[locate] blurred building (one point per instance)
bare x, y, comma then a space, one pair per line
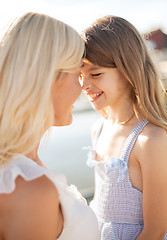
157, 44
159, 39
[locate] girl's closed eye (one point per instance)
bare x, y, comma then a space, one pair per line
96, 74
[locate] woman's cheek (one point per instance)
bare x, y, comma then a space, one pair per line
78, 88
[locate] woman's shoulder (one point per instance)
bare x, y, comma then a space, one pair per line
31, 203
36, 187
30, 193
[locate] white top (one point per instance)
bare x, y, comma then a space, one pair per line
80, 222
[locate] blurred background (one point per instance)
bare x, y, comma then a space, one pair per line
61, 150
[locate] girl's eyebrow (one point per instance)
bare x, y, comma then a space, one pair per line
93, 68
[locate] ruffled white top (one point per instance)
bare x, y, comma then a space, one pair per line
80, 222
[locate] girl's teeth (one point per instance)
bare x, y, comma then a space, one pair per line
95, 95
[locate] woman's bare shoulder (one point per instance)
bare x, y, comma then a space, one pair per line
35, 188
33, 203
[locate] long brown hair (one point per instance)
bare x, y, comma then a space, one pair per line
114, 42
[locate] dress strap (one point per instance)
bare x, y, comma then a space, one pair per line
130, 141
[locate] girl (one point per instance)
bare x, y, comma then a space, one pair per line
130, 142
40, 63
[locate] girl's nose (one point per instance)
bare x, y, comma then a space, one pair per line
84, 82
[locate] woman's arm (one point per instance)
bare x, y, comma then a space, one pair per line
152, 157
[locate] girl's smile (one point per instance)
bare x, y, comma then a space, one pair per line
103, 86
94, 96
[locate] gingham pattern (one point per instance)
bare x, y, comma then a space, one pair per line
115, 162
118, 205
122, 162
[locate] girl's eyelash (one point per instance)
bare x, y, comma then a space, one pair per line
96, 74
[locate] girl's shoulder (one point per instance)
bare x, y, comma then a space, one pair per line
151, 142
152, 134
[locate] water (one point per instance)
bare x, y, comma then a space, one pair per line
62, 152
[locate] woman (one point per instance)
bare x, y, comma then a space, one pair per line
40, 62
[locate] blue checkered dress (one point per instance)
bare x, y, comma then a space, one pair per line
118, 205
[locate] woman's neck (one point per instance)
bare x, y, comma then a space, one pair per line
34, 156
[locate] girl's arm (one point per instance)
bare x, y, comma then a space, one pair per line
152, 157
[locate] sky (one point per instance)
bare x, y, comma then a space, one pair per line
145, 15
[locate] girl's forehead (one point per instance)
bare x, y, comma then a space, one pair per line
88, 66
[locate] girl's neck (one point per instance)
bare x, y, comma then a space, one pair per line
127, 120
121, 115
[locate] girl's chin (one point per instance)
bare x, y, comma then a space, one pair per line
96, 108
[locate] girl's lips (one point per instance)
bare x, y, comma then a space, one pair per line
94, 96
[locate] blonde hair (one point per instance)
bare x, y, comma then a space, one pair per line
114, 42
33, 53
